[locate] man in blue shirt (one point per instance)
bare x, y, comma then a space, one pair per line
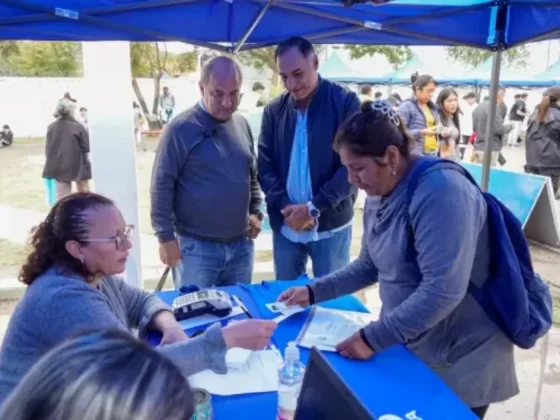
310, 202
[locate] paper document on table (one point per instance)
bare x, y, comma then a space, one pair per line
237, 357
325, 328
208, 319
258, 374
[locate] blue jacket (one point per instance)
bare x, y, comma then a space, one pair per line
414, 119
333, 195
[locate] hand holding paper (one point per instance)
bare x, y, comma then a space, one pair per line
296, 296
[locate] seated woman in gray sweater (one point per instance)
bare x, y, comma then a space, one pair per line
77, 252
423, 254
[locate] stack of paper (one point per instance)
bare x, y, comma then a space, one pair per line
325, 328
259, 373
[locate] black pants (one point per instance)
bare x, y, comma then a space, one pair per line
480, 411
553, 174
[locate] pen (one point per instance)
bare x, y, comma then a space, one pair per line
242, 306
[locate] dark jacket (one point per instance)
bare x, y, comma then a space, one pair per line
542, 145
66, 151
7, 138
480, 119
333, 195
415, 120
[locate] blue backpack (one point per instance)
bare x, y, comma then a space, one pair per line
514, 296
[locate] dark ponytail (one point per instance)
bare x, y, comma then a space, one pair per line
419, 82
66, 221
371, 131
551, 96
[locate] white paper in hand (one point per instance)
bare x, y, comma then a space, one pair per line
281, 307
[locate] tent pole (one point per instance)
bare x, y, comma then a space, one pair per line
489, 133
252, 27
111, 130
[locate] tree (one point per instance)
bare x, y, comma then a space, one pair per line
8, 49
261, 58
395, 55
150, 59
47, 59
474, 56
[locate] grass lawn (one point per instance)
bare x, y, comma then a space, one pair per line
21, 185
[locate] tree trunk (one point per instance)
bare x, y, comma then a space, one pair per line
157, 88
139, 96
275, 81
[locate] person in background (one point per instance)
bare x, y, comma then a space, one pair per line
254, 99
205, 193
395, 101
139, 126
517, 115
167, 104
365, 93
101, 375
83, 117
67, 97
420, 116
466, 120
449, 135
542, 144
425, 302
6, 136
499, 129
378, 96
73, 285
309, 199
67, 152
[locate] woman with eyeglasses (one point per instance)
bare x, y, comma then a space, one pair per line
106, 375
71, 274
423, 253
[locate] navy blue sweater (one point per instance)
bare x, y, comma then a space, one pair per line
333, 195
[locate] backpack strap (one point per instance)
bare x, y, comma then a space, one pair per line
426, 163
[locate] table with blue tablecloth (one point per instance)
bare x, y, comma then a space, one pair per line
394, 381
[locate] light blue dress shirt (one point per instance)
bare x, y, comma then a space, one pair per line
299, 187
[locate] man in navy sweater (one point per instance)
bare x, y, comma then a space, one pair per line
309, 199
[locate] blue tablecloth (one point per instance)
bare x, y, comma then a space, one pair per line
392, 382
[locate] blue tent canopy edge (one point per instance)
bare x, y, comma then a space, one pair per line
245, 24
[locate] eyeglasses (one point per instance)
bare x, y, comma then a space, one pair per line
386, 109
118, 239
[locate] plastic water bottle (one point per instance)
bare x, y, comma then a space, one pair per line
290, 378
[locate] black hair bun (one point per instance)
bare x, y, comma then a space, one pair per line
414, 77
366, 106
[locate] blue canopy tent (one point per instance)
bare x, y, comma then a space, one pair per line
481, 76
550, 75
335, 69
243, 24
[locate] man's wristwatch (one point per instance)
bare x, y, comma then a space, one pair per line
313, 211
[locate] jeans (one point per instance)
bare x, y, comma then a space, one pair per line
208, 263
515, 132
327, 255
